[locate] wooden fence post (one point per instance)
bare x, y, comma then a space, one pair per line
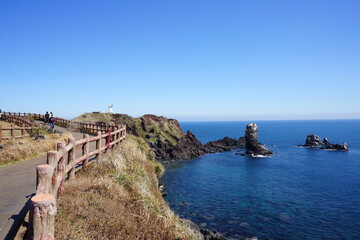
23, 131
52, 157
44, 174
71, 158
42, 217
86, 151
0, 133
119, 134
12, 131
60, 168
98, 146
108, 140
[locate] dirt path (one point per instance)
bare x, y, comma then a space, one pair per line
17, 186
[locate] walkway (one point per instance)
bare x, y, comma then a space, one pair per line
17, 186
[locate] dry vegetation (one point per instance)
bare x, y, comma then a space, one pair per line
27, 148
118, 198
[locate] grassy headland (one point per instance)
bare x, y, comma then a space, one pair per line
119, 198
149, 127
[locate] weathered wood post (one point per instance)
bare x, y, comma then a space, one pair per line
12, 132
42, 217
71, 158
0, 133
23, 131
60, 168
108, 137
44, 174
52, 157
98, 146
86, 151
119, 136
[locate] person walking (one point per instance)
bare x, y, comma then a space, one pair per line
52, 121
46, 119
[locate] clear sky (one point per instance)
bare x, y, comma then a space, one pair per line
192, 60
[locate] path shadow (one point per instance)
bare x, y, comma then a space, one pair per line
19, 219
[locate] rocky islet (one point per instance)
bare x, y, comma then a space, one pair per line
314, 141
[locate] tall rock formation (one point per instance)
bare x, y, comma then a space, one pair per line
253, 147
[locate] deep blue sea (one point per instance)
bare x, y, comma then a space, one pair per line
297, 193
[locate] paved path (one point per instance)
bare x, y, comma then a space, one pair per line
17, 186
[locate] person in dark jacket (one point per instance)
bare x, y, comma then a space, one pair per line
46, 119
52, 121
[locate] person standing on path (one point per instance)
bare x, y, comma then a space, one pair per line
52, 121
47, 115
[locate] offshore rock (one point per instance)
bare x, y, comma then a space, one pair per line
326, 141
337, 147
253, 147
313, 140
225, 144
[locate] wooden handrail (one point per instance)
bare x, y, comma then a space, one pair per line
86, 127
23, 132
61, 167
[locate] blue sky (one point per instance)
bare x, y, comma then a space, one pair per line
192, 60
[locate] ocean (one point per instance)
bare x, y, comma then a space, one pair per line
297, 193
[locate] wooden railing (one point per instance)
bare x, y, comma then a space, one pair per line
41, 117
23, 132
24, 126
93, 128
19, 114
61, 165
20, 121
86, 127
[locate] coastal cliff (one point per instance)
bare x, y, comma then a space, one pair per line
119, 197
126, 185
165, 136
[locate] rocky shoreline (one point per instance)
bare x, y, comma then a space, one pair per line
207, 234
190, 147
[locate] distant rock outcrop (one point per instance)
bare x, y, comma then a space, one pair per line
253, 147
167, 140
337, 147
326, 141
188, 147
314, 141
225, 144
